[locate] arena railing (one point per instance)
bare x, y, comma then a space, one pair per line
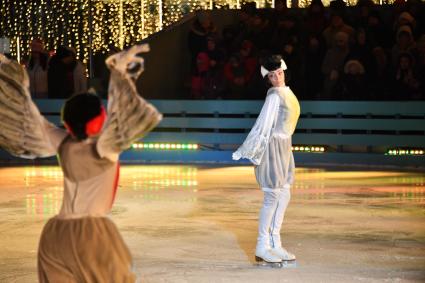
328, 132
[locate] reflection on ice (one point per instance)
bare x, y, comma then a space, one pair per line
323, 184
183, 183
48, 172
149, 180
153, 181
199, 223
44, 204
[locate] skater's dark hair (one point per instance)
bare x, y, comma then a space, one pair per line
78, 111
272, 63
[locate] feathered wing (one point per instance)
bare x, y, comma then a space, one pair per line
256, 142
130, 117
23, 130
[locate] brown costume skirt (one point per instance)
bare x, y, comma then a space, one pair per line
88, 249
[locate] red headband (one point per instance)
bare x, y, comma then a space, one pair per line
94, 126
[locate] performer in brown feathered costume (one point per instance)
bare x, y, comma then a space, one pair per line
80, 244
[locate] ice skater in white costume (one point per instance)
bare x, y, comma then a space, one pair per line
268, 146
81, 243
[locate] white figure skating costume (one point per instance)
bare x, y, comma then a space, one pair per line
268, 146
80, 244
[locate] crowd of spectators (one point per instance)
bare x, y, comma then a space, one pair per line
365, 52
57, 74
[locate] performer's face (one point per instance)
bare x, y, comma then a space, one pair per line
277, 78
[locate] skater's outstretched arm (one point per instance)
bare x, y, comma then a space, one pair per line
256, 142
24, 132
129, 116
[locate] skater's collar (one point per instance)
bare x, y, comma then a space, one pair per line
264, 71
279, 90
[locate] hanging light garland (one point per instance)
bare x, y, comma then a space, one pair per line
117, 22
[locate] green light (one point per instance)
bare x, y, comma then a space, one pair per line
308, 148
409, 151
162, 146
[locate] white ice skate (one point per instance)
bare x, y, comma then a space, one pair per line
265, 258
283, 254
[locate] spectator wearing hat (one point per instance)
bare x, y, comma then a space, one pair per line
352, 83
405, 19
404, 43
37, 69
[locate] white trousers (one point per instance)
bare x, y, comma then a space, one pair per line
271, 217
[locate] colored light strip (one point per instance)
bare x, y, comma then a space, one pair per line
165, 146
308, 148
405, 151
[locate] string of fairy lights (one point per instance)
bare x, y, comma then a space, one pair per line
116, 22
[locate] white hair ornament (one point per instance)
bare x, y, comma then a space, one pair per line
264, 71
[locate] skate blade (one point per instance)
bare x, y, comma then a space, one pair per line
284, 264
289, 263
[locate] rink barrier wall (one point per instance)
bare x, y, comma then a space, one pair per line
353, 132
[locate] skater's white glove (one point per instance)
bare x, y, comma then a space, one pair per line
236, 155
